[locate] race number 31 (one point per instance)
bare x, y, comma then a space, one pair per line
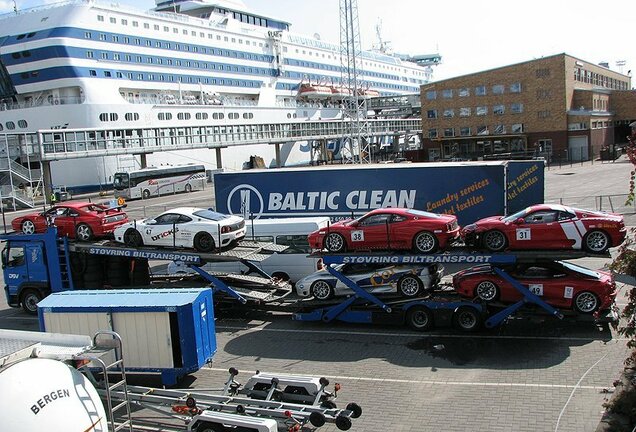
523, 234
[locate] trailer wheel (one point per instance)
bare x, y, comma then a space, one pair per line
30, 298
83, 232
317, 419
586, 302
494, 241
356, 410
409, 286
321, 290
419, 318
343, 423
425, 242
467, 319
487, 291
28, 227
335, 242
203, 242
145, 194
208, 427
132, 238
596, 241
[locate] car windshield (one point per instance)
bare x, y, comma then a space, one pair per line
211, 215
423, 213
582, 270
515, 216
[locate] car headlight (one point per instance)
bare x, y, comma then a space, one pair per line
300, 285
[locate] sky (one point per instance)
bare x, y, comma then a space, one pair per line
471, 35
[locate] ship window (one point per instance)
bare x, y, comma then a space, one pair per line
104, 56
92, 72
202, 116
87, 35
137, 41
22, 124
115, 38
193, 33
120, 75
183, 116
124, 22
114, 117
166, 28
185, 32
15, 55
147, 26
10, 125
156, 27
135, 24
126, 40
113, 20
175, 30
100, 18
107, 74
1, 127
149, 43
30, 35
102, 37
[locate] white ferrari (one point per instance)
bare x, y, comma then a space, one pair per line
190, 227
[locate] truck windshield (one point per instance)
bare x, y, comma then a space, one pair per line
120, 181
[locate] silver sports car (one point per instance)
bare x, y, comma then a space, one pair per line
408, 281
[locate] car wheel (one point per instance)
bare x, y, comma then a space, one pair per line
30, 298
487, 291
209, 427
494, 241
203, 242
409, 286
467, 319
586, 302
321, 290
334, 242
28, 227
596, 242
188, 188
419, 318
132, 238
425, 242
145, 194
83, 232
281, 276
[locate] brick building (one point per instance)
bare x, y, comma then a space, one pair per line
558, 107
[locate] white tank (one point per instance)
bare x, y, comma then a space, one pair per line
47, 395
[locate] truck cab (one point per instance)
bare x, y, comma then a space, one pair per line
25, 274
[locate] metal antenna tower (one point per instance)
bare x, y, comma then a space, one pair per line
356, 147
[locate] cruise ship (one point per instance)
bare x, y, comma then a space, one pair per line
87, 64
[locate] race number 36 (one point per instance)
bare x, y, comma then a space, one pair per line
357, 236
523, 234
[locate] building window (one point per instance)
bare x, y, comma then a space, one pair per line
498, 89
464, 131
449, 132
515, 87
482, 130
464, 112
544, 94
498, 109
464, 92
431, 95
432, 114
480, 90
481, 110
516, 108
500, 129
447, 93
543, 114
449, 113
432, 133
542, 73
516, 128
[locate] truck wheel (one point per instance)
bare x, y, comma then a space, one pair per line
419, 318
409, 286
494, 241
83, 232
334, 242
467, 319
203, 242
30, 298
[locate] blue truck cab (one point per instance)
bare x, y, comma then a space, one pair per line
28, 275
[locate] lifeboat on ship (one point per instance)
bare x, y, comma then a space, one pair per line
338, 91
368, 93
318, 90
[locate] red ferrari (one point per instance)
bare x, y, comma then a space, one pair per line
81, 220
559, 283
547, 226
389, 228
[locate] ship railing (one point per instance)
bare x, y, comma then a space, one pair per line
65, 100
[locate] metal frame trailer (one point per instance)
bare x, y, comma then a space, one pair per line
437, 308
261, 405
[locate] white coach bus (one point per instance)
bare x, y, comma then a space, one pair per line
156, 181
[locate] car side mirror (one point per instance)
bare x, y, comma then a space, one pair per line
520, 221
150, 221
354, 223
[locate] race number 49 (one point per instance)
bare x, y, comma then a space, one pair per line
357, 236
536, 289
523, 234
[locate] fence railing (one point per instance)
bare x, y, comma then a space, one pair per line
610, 203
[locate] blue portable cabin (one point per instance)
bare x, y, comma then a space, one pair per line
170, 331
